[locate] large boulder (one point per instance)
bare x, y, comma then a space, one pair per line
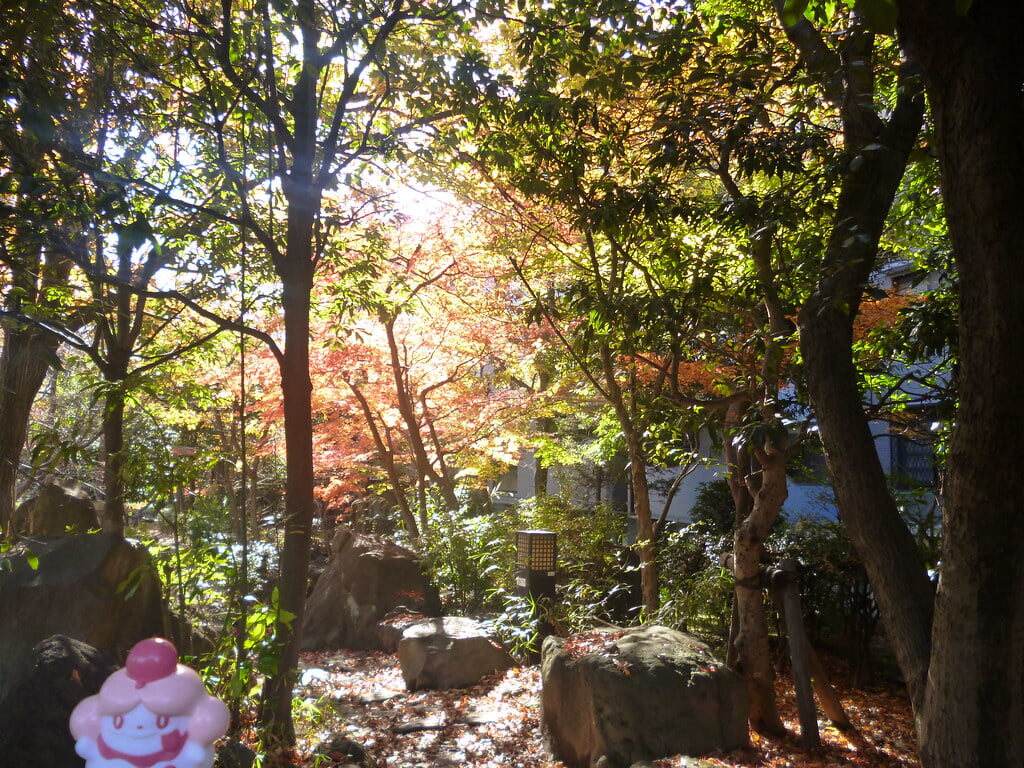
58, 508
34, 720
449, 652
98, 588
365, 578
643, 694
391, 627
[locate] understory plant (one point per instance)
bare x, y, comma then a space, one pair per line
471, 553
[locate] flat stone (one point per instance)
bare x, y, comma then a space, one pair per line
480, 715
449, 652
431, 722
377, 695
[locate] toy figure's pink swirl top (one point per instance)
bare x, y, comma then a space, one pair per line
154, 713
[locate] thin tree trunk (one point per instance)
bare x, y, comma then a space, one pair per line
112, 512
646, 544
296, 385
407, 408
542, 474
386, 454
751, 637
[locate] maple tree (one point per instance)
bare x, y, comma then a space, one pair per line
412, 387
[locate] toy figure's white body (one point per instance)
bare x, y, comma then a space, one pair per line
153, 713
140, 739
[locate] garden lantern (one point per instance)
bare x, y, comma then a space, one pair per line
536, 560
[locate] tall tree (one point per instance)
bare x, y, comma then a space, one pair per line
293, 98
969, 53
49, 105
962, 662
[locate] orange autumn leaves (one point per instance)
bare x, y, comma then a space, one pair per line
428, 361
440, 327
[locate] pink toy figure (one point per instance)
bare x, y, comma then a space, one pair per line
154, 713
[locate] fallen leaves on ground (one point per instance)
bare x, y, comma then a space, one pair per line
361, 696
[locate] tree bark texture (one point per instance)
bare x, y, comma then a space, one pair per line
24, 361
645, 534
296, 386
647, 547
112, 511
751, 633
973, 714
878, 152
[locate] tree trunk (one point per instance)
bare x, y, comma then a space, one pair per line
386, 455
973, 713
25, 358
296, 268
426, 470
737, 460
869, 513
112, 512
646, 544
24, 361
868, 510
296, 386
750, 635
541, 474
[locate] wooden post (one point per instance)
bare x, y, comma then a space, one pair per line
808, 673
784, 580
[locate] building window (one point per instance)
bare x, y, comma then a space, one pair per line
913, 464
808, 466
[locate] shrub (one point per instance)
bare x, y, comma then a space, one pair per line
838, 604
696, 589
471, 555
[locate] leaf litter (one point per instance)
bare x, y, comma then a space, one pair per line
360, 695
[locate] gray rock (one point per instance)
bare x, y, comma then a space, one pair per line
34, 719
449, 652
57, 509
234, 754
643, 694
365, 578
98, 588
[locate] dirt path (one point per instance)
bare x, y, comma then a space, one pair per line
360, 696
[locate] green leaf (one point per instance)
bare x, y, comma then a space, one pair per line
32, 559
963, 6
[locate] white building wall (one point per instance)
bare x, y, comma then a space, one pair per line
805, 498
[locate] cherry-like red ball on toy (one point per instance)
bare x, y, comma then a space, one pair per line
151, 659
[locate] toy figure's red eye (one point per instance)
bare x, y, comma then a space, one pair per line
118, 721
162, 721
